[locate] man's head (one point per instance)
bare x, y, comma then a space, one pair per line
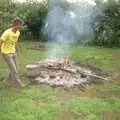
17, 23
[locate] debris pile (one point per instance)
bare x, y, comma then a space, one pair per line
61, 72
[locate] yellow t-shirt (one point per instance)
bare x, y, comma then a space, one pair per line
9, 40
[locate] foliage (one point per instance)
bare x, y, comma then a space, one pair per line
107, 26
33, 13
7, 13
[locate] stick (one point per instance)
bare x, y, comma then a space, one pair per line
92, 75
81, 72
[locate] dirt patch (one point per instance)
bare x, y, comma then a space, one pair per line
111, 115
38, 46
69, 116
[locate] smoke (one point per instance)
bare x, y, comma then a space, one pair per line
70, 22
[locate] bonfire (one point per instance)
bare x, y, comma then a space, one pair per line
61, 72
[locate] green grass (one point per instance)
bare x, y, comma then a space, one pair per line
99, 102
104, 58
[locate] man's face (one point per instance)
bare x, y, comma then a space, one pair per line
18, 26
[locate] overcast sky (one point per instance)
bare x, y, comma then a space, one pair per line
25, 0
89, 1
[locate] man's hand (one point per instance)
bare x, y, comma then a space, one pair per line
17, 49
18, 54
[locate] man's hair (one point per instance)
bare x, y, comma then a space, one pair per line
17, 20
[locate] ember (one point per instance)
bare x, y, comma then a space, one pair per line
61, 72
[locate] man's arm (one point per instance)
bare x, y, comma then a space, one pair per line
17, 48
1, 42
3, 37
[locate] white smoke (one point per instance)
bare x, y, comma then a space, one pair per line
67, 25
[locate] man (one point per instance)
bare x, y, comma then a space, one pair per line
10, 51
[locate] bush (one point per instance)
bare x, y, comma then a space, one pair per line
107, 27
33, 13
7, 13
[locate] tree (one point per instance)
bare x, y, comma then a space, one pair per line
107, 28
7, 13
34, 14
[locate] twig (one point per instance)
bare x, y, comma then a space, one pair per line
81, 72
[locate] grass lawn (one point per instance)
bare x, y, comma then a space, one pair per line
98, 102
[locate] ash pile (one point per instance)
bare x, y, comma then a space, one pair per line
62, 72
